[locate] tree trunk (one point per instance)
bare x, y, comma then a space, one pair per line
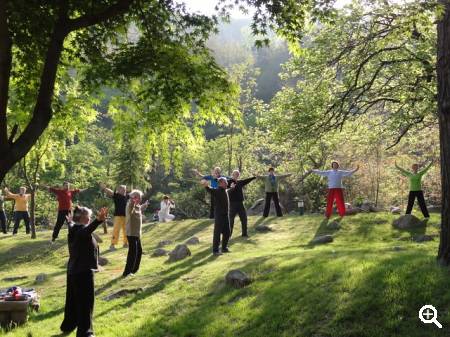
443, 77
33, 214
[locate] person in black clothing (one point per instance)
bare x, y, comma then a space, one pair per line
221, 214
83, 256
237, 201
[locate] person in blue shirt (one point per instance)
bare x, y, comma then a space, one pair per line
213, 180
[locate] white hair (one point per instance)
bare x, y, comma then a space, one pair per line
79, 211
136, 193
236, 171
222, 178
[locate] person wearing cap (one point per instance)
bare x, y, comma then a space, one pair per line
271, 187
415, 187
83, 262
20, 208
335, 187
64, 196
237, 201
120, 198
221, 214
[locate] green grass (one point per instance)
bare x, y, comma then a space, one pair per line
356, 286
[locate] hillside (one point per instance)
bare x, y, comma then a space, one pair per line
371, 281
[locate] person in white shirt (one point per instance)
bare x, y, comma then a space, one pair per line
164, 213
335, 187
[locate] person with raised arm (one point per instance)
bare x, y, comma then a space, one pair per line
164, 212
20, 208
213, 179
221, 214
83, 262
64, 196
335, 187
134, 231
415, 187
3, 220
237, 201
271, 187
120, 198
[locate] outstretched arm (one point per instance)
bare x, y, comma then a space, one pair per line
349, 172
284, 175
8, 194
425, 170
244, 182
109, 192
402, 171
319, 172
197, 173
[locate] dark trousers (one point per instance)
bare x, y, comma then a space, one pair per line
237, 208
276, 201
3, 222
221, 227
19, 216
79, 304
60, 221
134, 255
212, 206
420, 198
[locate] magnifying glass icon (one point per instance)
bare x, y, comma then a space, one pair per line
428, 315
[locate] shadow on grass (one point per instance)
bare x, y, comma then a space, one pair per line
318, 297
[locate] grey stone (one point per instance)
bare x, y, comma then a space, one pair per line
398, 248
237, 279
193, 241
423, 238
179, 253
408, 221
352, 211
102, 261
258, 207
40, 278
160, 252
122, 293
164, 243
334, 225
322, 239
263, 228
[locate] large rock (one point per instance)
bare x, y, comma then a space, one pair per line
352, 211
237, 279
423, 238
263, 228
193, 241
368, 206
122, 293
179, 253
102, 261
408, 221
395, 210
258, 207
41, 278
164, 243
322, 239
160, 252
334, 225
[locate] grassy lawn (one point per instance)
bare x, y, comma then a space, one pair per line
371, 281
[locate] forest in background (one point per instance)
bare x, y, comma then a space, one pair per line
279, 92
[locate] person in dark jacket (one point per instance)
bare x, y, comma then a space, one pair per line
83, 262
221, 214
237, 201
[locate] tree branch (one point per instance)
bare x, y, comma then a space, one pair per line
120, 7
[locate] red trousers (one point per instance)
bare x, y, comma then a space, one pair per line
338, 195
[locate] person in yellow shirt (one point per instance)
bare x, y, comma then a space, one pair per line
20, 208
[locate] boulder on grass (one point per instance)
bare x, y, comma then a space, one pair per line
258, 207
263, 228
179, 253
334, 225
237, 279
160, 252
322, 239
423, 238
408, 221
164, 243
351, 211
41, 278
193, 241
102, 261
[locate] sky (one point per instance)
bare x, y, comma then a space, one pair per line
207, 7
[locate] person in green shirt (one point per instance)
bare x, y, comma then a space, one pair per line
2, 214
415, 187
271, 182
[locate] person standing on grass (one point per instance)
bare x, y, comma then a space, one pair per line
120, 198
83, 262
3, 220
335, 187
213, 179
64, 196
236, 197
134, 231
20, 208
221, 214
415, 187
164, 212
271, 186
